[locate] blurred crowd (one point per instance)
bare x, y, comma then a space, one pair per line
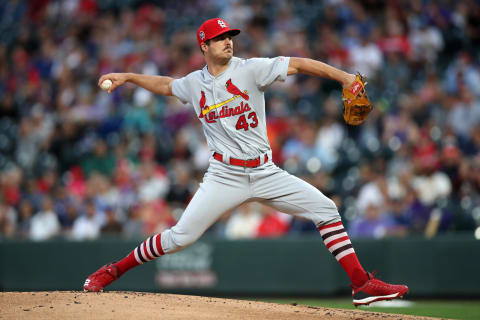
79, 163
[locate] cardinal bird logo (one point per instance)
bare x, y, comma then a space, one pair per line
202, 102
231, 88
234, 90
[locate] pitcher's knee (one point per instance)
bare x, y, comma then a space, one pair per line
328, 215
325, 213
331, 206
175, 240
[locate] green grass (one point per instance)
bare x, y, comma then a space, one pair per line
461, 309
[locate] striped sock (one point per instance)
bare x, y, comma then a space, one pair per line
338, 243
146, 251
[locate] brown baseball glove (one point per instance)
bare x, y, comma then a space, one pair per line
356, 105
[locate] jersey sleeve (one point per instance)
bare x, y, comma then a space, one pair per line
268, 70
180, 89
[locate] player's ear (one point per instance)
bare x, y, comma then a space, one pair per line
203, 47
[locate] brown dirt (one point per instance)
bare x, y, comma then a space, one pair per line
137, 305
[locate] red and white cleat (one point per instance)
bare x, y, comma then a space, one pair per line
101, 278
376, 290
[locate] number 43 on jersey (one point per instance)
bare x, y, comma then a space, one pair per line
243, 124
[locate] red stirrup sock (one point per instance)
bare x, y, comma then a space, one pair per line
146, 251
338, 243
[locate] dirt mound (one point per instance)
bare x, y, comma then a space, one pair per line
139, 305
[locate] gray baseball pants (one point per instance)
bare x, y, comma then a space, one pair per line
225, 187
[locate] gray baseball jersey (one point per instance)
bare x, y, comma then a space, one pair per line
231, 107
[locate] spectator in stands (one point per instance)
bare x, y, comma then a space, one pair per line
426, 40
373, 193
372, 224
181, 189
25, 214
112, 226
101, 160
8, 218
63, 203
465, 114
87, 226
462, 72
133, 228
244, 222
366, 58
273, 224
154, 183
44, 224
10, 181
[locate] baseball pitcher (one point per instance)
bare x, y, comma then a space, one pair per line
228, 97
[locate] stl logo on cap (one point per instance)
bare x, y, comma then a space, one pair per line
213, 28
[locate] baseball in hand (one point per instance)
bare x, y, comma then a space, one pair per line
106, 84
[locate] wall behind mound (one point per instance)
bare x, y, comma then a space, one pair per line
444, 266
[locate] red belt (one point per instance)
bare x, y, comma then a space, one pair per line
241, 163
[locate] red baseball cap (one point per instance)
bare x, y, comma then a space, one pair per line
213, 28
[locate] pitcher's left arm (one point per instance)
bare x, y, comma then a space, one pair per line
356, 104
319, 69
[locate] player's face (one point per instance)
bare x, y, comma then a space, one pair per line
221, 47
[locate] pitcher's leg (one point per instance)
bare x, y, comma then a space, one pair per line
216, 195
292, 195
208, 204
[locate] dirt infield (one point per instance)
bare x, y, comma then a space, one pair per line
139, 305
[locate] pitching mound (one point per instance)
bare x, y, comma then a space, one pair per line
138, 305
